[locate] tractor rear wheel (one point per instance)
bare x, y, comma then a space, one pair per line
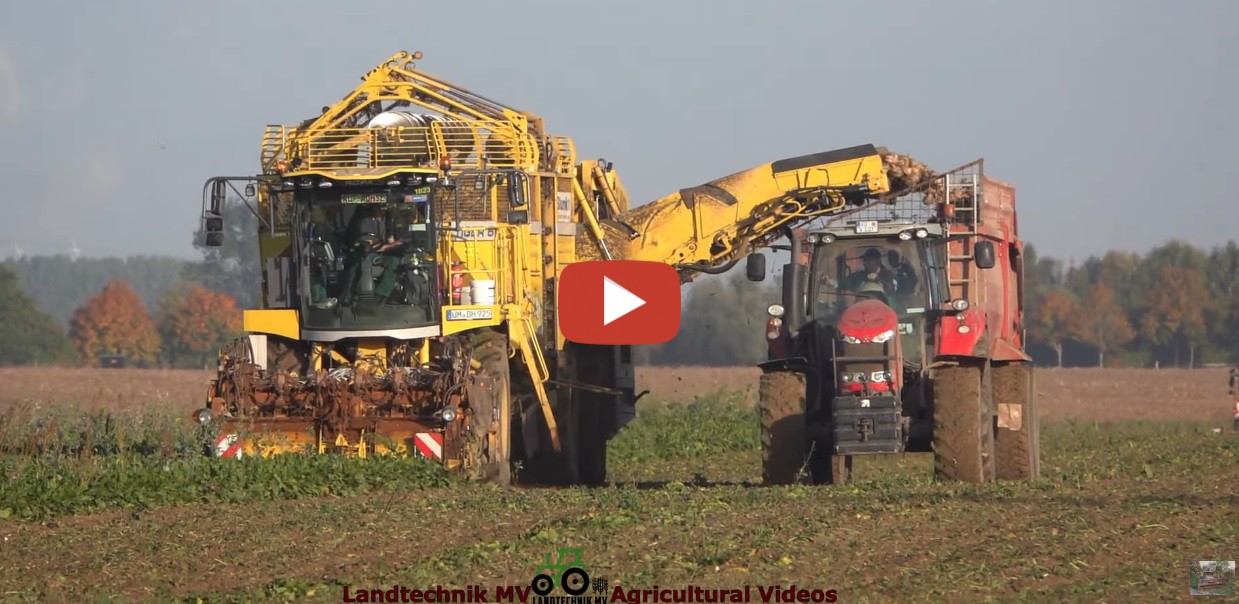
491, 405
1017, 439
781, 399
963, 439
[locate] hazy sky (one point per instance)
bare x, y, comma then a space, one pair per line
1114, 119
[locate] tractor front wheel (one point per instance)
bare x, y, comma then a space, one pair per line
781, 397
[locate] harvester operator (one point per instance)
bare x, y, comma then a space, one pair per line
372, 242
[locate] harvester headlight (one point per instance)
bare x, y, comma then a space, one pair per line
395, 182
813, 239
449, 415
922, 233
905, 235
203, 416
828, 238
880, 376
775, 310
847, 339
960, 305
963, 329
883, 337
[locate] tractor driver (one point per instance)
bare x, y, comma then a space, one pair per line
872, 271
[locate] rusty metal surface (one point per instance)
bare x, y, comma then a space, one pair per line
393, 403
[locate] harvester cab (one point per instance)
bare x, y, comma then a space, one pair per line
893, 329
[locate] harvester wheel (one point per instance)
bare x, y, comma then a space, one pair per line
1017, 447
781, 397
963, 425
492, 353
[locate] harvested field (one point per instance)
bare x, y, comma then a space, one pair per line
1076, 394
1094, 395
1120, 510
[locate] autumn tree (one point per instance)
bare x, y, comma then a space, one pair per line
194, 322
1103, 322
114, 321
1175, 310
1056, 319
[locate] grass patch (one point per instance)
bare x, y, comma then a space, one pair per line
711, 424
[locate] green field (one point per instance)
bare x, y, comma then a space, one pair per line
100, 506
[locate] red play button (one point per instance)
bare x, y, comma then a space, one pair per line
619, 302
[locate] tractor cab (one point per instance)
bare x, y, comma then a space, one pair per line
891, 269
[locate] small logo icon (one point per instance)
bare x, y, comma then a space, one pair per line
568, 571
619, 302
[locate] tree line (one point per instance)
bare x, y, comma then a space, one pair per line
1175, 305
185, 329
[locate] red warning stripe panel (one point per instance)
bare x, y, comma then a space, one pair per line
228, 446
429, 445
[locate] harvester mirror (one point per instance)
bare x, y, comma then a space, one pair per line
219, 194
756, 268
983, 252
516, 190
213, 230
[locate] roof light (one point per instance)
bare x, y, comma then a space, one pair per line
960, 304
395, 182
828, 238
905, 235
922, 233
326, 184
812, 239
281, 166
775, 310
445, 163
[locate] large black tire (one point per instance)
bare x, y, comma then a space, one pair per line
781, 398
595, 413
1017, 448
493, 393
963, 425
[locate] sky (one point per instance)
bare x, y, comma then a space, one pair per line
1113, 119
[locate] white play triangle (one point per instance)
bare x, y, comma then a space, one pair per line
617, 301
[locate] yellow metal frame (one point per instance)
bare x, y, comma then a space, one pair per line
470, 130
283, 322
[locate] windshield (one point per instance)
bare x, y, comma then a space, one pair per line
369, 259
848, 271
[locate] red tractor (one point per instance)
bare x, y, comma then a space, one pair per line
901, 330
